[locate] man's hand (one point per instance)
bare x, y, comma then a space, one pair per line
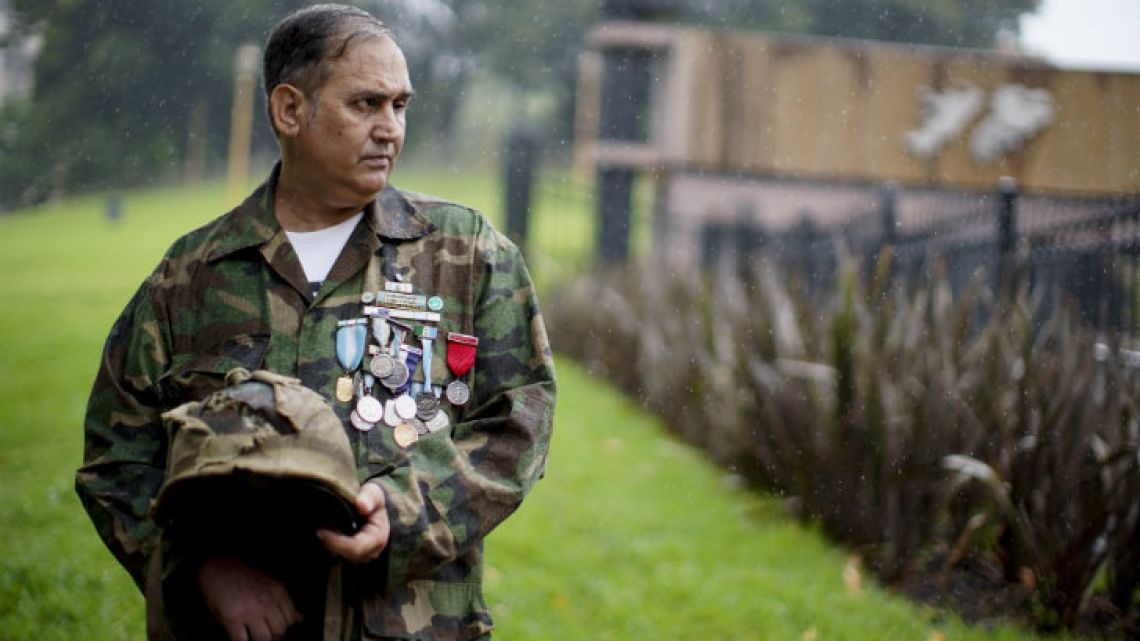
250, 605
367, 544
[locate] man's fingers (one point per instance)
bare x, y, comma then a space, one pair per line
250, 605
276, 620
236, 631
366, 545
370, 498
285, 612
351, 548
259, 631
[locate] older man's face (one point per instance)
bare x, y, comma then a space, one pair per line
351, 142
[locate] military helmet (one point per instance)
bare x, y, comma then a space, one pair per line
263, 457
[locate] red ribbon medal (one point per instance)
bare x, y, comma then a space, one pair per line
460, 352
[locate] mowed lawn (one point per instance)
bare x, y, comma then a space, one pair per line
632, 536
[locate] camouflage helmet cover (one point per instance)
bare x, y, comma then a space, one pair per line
263, 454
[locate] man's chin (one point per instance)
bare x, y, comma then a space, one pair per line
378, 179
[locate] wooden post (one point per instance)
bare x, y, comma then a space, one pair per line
518, 176
1007, 229
241, 120
890, 196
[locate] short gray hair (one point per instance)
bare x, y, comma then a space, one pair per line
304, 42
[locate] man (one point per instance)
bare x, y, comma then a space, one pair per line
282, 283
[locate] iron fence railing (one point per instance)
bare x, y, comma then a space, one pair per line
1083, 250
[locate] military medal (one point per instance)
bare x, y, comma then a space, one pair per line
397, 377
405, 435
382, 331
399, 331
427, 406
381, 365
460, 360
405, 407
419, 426
395, 300
427, 334
360, 423
351, 336
458, 393
369, 409
438, 422
411, 360
391, 418
394, 286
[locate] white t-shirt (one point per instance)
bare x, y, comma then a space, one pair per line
318, 250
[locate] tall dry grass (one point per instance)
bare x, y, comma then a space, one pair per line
905, 422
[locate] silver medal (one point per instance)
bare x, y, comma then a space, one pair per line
391, 418
458, 393
427, 406
420, 426
438, 422
359, 423
397, 377
370, 409
381, 366
405, 407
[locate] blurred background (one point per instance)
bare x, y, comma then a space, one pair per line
838, 288
98, 94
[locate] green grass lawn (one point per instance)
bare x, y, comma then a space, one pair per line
631, 536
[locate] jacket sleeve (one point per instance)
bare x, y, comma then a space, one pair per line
124, 441
454, 491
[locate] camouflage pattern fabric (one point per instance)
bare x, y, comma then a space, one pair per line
233, 294
269, 449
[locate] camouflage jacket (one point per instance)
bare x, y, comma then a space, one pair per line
233, 293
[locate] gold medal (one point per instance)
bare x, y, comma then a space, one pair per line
344, 388
405, 435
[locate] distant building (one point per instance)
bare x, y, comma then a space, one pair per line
17, 53
740, 129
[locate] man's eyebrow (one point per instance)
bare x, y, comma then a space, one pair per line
369, 93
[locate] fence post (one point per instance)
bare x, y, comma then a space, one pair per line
625, 97
114, 208
518, 173
1007, 229
889, 195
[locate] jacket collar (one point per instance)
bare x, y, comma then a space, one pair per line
252, 223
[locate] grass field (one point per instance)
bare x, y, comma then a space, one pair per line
631, 536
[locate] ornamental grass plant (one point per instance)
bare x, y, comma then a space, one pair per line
919, 428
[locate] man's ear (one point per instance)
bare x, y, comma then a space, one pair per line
287, 106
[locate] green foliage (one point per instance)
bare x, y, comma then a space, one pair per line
970, 23
116, 83
867, 407
121, 87
630, 536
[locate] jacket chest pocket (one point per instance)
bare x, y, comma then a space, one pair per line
194, 376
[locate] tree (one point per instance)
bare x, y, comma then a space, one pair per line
115, 86
121, 87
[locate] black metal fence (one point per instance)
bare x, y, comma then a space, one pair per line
1083, 250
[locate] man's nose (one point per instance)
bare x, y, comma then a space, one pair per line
387, 124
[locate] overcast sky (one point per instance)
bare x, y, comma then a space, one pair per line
1085, 34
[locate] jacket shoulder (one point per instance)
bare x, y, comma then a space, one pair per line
452, 218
